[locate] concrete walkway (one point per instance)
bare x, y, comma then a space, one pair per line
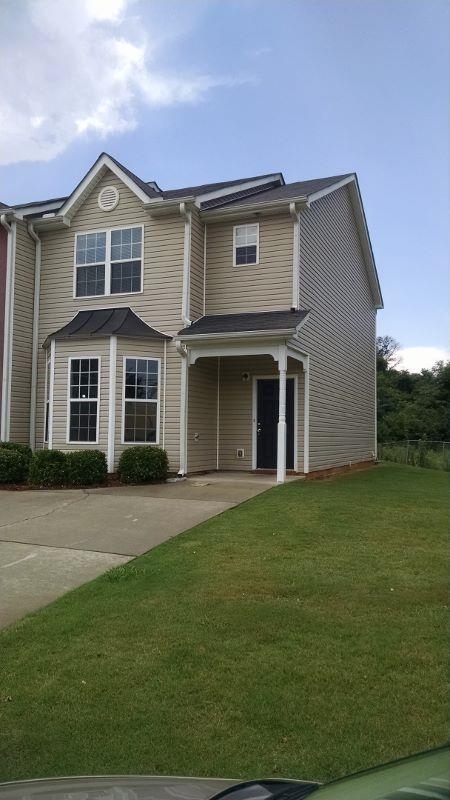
53, 541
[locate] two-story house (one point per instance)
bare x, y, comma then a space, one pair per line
232, 323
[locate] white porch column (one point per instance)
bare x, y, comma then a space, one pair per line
182, 350
281, 439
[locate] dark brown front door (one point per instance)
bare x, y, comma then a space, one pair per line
267, 422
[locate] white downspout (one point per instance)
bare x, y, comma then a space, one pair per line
35, 342
295, 256
10, 228
186, 264
182, 350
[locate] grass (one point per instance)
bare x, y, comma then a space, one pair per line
300, 634
432, 455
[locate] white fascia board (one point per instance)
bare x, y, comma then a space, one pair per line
92, 177
37, 208
50, 223
283, 204
239, 187
237, 336
332, 188
159, 207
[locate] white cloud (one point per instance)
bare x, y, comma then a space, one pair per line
76, 67
414, 359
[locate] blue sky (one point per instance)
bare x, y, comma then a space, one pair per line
211, 89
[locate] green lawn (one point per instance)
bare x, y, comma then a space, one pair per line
300, 634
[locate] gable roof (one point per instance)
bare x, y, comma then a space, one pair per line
106, 322
288, 191
270, 321
140, 188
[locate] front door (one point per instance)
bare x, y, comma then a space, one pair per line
267, 421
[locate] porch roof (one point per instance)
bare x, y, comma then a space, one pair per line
265, 321
106, 322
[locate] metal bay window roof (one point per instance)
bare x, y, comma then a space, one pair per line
106, 322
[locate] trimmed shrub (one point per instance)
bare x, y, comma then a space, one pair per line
13, 465
143, 464
24, 449
48, 468
86, 467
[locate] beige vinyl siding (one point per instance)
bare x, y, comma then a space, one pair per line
339, 335
202, 415
251, 287
95, 348
197, 267
236, 407
22, 335
159, 304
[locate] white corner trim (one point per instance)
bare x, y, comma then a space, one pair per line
35, 334
185, 299
92, 177
164, 396
51, 391
295, 256
8, 328
204, 267
112, 402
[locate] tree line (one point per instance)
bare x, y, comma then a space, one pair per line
411, 405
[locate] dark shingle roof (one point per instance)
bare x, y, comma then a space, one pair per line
289, 190
106, 322
243, 323
146, 187
205, 188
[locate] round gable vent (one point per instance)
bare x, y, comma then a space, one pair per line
108, 198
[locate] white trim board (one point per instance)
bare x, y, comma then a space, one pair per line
133, 400
85, 356
91, 179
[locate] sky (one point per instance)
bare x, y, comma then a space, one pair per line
207, 90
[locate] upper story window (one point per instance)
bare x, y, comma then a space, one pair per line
108, 262
246, 244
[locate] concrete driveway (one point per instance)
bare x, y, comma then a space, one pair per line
53, 541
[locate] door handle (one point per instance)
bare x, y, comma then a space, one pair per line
258, 429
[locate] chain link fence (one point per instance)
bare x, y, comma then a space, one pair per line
417, 453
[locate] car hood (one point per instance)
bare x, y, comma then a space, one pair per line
115, 787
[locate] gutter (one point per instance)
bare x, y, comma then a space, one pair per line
5, 418
252, 208
281, 333
35, 343
185, 297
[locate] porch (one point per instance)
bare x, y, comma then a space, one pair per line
245, 399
